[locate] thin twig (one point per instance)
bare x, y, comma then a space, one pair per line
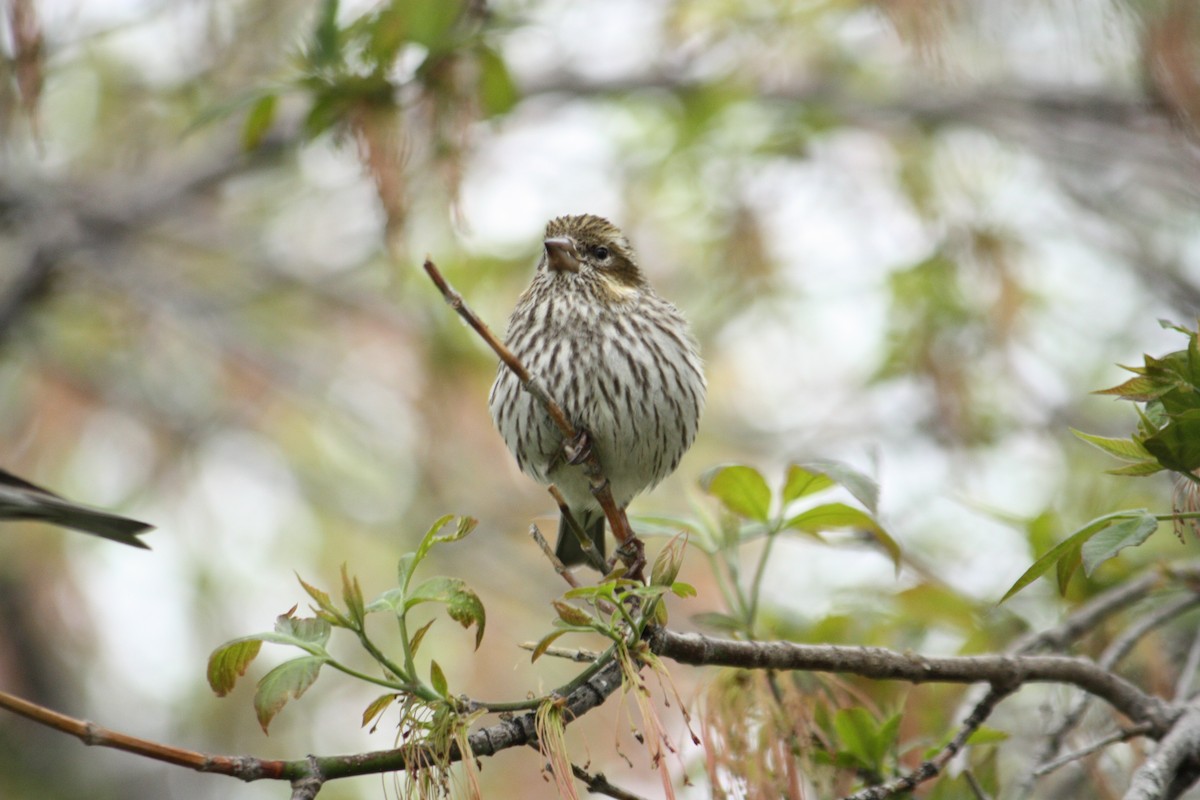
578, 654
932, 767
1112, 655
601, 490
976, 789
1187, 675
1123, 735
576, 530
598, 784
548, 551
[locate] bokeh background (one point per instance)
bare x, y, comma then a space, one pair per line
910, 235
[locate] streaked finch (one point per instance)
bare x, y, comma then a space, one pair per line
619, 359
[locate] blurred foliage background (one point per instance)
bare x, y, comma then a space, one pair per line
911, 235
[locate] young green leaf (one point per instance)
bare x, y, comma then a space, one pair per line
258, 121
1125, 449
864, 489
858, 734
415, 642
668, 562
1068, 551
741, 489
377, 707
352, 596
438, 679
462, 604
1110, 541
839, 515
229, 662
288, 681
546, 641
497, 91
572, 615
303, 630
802, 482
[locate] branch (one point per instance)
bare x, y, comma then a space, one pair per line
598, 784
1104, 605
881, 663
1156, 778
591, 464
307, 775
1123, 735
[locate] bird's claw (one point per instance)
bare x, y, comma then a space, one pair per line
579, 449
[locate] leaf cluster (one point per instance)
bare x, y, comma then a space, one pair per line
292, 678
1167, 437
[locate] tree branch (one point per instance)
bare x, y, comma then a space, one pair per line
307, 775
1156, 778
881, 663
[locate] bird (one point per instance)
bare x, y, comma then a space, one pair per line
619, 359
22, 500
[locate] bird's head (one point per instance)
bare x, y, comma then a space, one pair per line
592, 250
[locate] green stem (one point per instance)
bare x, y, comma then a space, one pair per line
756, 582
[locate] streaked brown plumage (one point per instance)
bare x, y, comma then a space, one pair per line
618, 358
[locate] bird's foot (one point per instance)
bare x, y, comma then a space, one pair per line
579, 449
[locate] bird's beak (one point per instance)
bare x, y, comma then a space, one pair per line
561, 255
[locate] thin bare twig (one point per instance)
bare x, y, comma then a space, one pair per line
932, 767
1112, 655
548, 551
598, 784
575, 529
629, 546
1123, 735
1183, 688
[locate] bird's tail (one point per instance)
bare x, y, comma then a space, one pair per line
569, 550
20, 499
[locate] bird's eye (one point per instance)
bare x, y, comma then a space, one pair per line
601, 253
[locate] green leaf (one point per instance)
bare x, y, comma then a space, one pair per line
1126, 449
497, 92
352, 596
462, 604
414, 643
801, 482
985, 735
324, 603
1068, 551
303, 630
438, 679
684, 590
1067, 566
229, 662
377, 707
258, 121
326, 48
1110, 541
741, 489
1139, 469
1177, 446
288, 681
571, 615
546, 641
839, 515
434, 536
430, 22
864, 489
857, 732
1138, 388
668, 561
